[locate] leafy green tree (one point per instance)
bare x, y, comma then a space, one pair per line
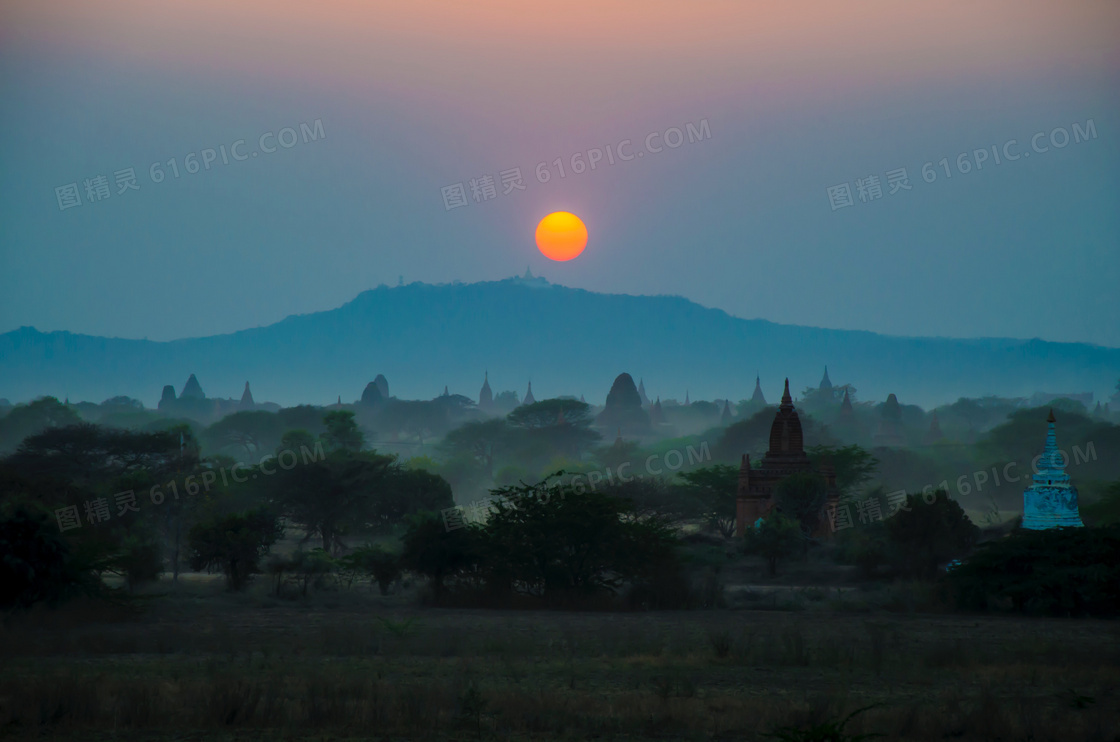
254, 432
406, 491
925, 534
715, 488
746, 436
333, 496
140, 558
802, 497
302, 417
414, 418
552, 541
342, 432
618, 453
866, 546
234, 543
436, 552
482, 440
1061, 571
296, 440
382, 566
24, 420
776, 537
1106, 510
559, 425
87, 455
654, 497
34, 559
854, 466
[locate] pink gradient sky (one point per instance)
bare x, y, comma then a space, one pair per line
529, 63
421, 94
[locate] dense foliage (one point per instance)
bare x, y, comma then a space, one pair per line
1060, 572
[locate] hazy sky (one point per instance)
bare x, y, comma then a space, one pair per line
415, 97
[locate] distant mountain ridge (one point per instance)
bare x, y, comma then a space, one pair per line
565, 340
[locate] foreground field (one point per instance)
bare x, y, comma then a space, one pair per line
201, 664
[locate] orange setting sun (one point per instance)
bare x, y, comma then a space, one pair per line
561, 236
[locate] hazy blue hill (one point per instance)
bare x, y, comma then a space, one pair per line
566, 340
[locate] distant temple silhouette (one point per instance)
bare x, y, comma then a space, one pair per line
529, 398
889, 433
785, 457
758, 397
485, 395
847, 416
826, 383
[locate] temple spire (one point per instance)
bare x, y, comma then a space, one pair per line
758, 396
826, 383
247, 398
787, 400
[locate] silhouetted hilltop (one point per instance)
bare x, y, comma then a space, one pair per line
567, 341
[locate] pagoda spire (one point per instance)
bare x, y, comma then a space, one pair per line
1051, 501
826, 383
758, 396
247, 398
787, 400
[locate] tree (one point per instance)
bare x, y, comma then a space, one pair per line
140, 558
436, 552
853, 465
557, 425
556, 541
483, 441
234, 543
655, 497
1060, 571
866, 547
25, 420
333, 496
715, 489
925, 534
802, 496
381, 566
34, 559
342, 431
254, 431
775, 538
415, 418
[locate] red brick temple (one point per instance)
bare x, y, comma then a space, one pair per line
786, 456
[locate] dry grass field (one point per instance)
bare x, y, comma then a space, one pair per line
198, 663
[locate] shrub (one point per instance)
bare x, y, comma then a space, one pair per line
925, 534
776, 537
865, 546
34, 560
139, 560
1062, 571
234, 543
375, 562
